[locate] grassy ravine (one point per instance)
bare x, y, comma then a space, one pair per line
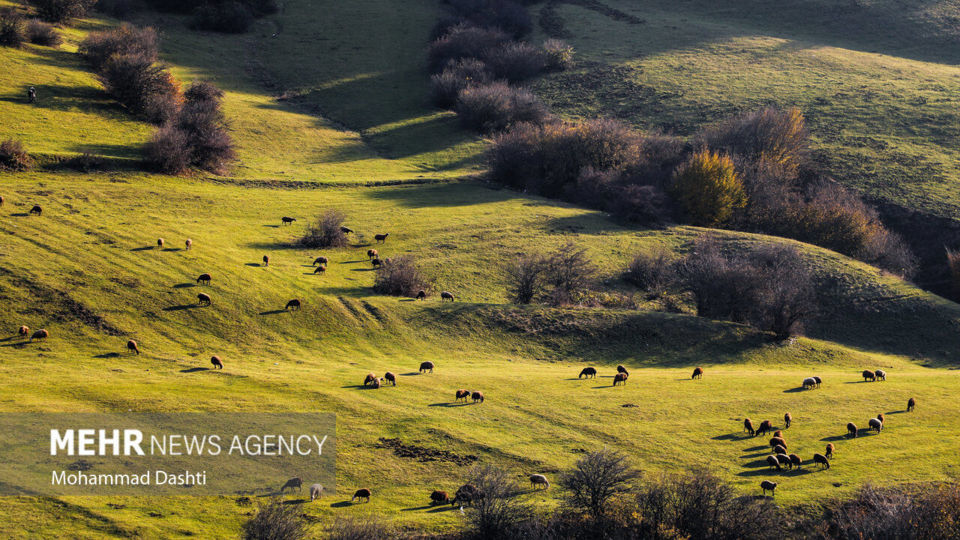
88, 271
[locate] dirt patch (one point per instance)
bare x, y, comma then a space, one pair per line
421, 453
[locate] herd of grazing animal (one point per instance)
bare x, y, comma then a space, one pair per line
779, 445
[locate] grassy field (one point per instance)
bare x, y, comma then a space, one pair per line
353, 114
876, 79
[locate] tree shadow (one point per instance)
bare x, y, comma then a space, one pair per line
184, 285
108, 355
181, 307
273, 312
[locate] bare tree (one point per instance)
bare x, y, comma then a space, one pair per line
326, 231
597, 478
526, 278
276, 521
568, 270
495, 513
653, 271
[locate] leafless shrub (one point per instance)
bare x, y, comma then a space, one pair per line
12, 30
568, 270
62, 11
496, 513
142, 42
276, 521
773, 134
325, 231
515, 61
41, 33
352, 528
653, 271
230, 17
446, 86
400, 277
558, 55
144, 88
463, 41
13, 156
525, 278
596, 479
896, 513
493, 107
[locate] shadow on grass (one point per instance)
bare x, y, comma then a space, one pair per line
273, 312
108, 355
184, 285
836, 438
755, 448
759, 472
731, 437
442, 508
172, 249
448, 404
793, 390
410, 374
194, 370
296, 501
256, 264
341, 504
362, 269
181, 307
20, 214
144, 248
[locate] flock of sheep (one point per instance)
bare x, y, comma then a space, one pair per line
467, 493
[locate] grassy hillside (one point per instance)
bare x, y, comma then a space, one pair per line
89, 271
877, 79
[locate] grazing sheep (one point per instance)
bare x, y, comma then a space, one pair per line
426, 366
376, 384
346, 230
188, 244
381, 238
203, 299
293, 304
869, 375
778, 433
852, 430
439, 497
784, 459
362, 493
589, 372
787, 418
322, 269
463, 394
372, 254
390, 377
765, 427
217, 363
809, 383
829, 450
818, 379
767, 485
159, 243
778, 441
880, 417
40, 334
821, 460
376, 263
911, 403
795, 460
293, 483
697, 373
287, 220
320, 260
421, 295
23, 331
369, 379
316, 491
132, 345
875, 424
444, 295
204, 279
2, 200
780, 450
477, 396
621, 369
266, 260
772, 461
620, 378
36, 210
467, 494
748, 426
881, 375
539, 480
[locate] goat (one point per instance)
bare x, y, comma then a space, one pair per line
381, 238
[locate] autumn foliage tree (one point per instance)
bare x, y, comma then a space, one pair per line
709, 189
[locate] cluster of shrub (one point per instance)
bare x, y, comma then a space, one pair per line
17, 29
752, 172
227, 16
605, 497
478, 59
192, 132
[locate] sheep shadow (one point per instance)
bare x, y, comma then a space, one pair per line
857, 382
442, 508
20, 214
358, 261
18, 345
800, 472
730, 437
108, 355
341, 504
273, 312
415, 508
410, 374
755, 448
836, 438
295, 501
184, 285
194, 370
759, 454
181, 307
448, 404
359, 387
897, 412
144, 248
172, 249
794, 390
254, 264
756, 463
759, 472
362, 269
272, 226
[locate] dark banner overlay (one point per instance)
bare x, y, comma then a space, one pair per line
211, 453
